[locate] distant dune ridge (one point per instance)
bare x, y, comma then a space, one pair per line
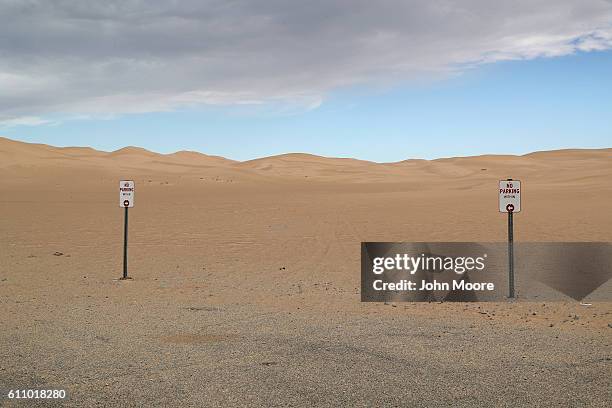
14, 155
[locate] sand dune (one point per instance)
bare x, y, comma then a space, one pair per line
247, 277
556, 165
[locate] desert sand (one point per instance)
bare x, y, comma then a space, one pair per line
245, 287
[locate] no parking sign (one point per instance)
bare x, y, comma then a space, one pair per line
126, 200
510, 196
126, 193
510, 203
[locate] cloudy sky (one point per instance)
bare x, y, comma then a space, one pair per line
382, 80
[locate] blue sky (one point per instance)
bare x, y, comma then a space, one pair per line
504, 107
381, 81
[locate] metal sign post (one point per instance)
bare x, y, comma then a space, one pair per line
126, 200
125, 240
510, 251
510, 202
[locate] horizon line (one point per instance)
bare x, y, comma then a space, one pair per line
302, 153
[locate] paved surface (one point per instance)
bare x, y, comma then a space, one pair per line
156, 354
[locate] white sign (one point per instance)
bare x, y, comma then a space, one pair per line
509, 196
126, 193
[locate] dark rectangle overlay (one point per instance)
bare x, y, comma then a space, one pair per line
478, 271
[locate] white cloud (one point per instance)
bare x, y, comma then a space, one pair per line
115, 57
25, 121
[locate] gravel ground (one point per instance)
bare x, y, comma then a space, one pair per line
159, 353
